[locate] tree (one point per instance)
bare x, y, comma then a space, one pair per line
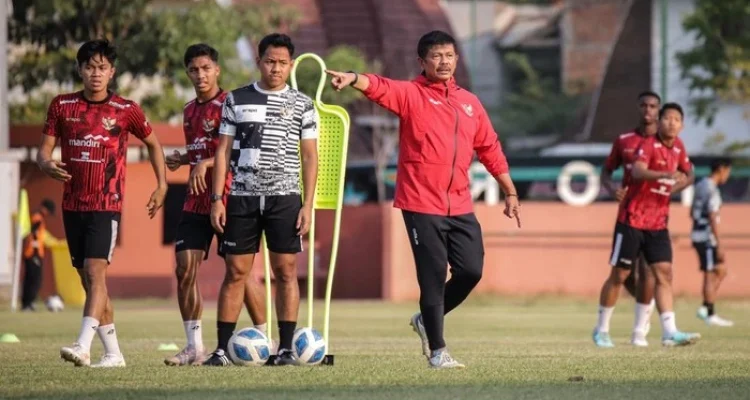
717, 68
339, 58
538, 108
151, 42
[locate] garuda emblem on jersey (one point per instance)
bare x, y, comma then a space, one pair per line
209, 125
287, 109
108, 123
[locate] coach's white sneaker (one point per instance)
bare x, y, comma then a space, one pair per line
76, 354
440, 359
186, 356
716, 320
639, 339
110, 361
418, 326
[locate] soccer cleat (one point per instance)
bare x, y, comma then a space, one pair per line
716, 320
602, 339
639, 339
217, 359
285, 357
110, 361
76, 354
186, 356
273, 346
440, 359
702, 313
418, 326
680, 339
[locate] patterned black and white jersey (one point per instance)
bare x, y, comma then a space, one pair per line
267, 128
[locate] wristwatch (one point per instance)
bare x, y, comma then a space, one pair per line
356, 77
215, 198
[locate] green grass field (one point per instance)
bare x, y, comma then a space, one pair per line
513, 348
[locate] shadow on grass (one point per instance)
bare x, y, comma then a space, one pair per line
737, 388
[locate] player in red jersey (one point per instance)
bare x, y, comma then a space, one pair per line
662, 168
624, 154
92, 127
202, 118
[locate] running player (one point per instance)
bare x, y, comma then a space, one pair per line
661, 168
705, 237
93, 127
265, 128
201, 117
623, 154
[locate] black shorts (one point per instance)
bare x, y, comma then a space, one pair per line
629, 243
195, 232
91, 234
250, 216
708, 256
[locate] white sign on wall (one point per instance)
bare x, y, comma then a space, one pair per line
483, 183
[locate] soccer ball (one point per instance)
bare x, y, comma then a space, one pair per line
308, 346
249, 346
54, 304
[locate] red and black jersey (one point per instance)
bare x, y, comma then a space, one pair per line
201, 127
93, 137
623, 154
646, 204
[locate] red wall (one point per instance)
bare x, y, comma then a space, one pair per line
560, 250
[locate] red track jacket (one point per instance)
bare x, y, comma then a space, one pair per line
441, 125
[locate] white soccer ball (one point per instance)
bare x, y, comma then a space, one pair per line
308, 346
55, 304
249, 346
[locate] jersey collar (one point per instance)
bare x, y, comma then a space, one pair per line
267, 92
200, 103
106, 99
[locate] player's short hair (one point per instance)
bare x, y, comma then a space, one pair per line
101, 47
719, 163
671, 106
434, 38
275, 40
49, 205
200, 50
648, 93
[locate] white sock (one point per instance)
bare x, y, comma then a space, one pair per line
668, 323
642, 316
194, 334
262, 328
87, 333
605, 314
108, 336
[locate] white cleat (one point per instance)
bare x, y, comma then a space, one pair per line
186, 356
110, 361
418, 326
716, 320
639, 339
702, 313
76, 354
442, 360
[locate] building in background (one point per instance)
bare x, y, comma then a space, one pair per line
608, 50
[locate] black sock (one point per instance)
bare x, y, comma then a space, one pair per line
432, 318
286, 334
224, 332
709, 307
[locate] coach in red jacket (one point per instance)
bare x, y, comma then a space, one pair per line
441, 126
